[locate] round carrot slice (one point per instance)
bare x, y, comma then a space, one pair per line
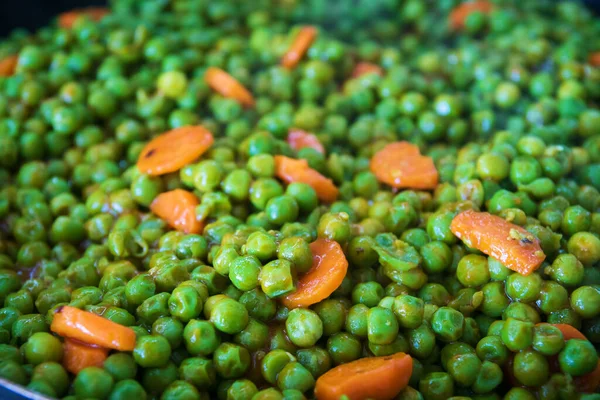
512, 245
323, 278
92, 329
67, 19
78, 355
292, 170
401, 165
228, 86
174, 149
178, 209
8, 65
299, 139
299, 46
363, 68
377, 378
460, 13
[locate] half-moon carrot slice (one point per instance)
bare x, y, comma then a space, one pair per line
594, 59
299, 46
174, 149
363, 68
292, 170
587, 383
178, 208
328, 270
67, 19
71, 322
377, 378
78, 355
401, 165
228, 86
8, 65
299, 139
512, 245
460, 13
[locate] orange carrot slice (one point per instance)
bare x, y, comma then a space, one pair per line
8, 65
512, 245
401, 165
67, 19
228, 86
174, 149
378, 378
178, 209
323, 278
299, 139
587, 383
299, 47
363, 68
78, 355
594, 59
71, 322
292, 170
460, 13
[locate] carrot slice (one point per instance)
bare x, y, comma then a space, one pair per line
71, 322
587, 383
323, 278
67, 19
594, 59
292, 170
178, 209
401, 165
228, 86
460, 13
78, 355
174, 149
299, 46
299, 139
377, 378
8, 65
512, 245
363, 68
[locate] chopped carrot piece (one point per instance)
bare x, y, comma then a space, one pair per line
67, 19
71, 322
8, 65
379, 378
323, 278
401, 165
228, 86
512, 245
594, 59
587, 383
78, 355
174, 149
299, 47
363, 68
460, 13
292, 170
178, 209
299, 139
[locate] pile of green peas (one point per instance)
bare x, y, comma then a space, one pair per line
507, 108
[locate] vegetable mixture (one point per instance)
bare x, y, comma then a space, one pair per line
287, 200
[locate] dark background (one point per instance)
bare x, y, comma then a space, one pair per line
33, 14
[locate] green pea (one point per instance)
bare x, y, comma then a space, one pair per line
295, 376
276, 278
185, 303
200, 337
42, 347
297, 251
244, 272
409, 311
315, 359
437, 385
547, 339
517, 335
585, 300
121, 366
530, 368
578, 357
448, 324
198, 371
357, 320
343, 347
93, 382
304, 327
332, 313
152, 351
492, 348
52, 373
127, 388
231, 360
